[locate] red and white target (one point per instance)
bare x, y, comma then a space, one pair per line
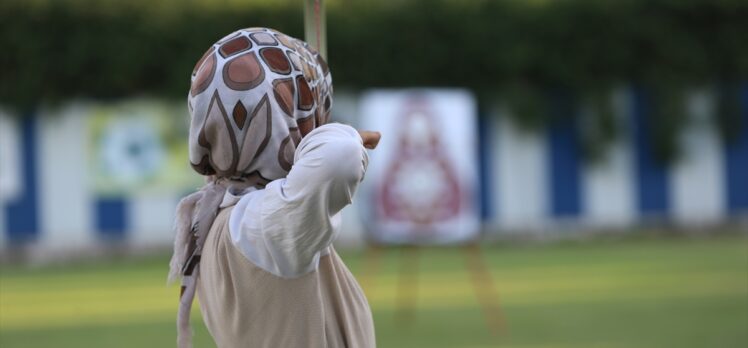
422, 182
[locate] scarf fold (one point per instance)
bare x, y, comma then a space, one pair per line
195, 216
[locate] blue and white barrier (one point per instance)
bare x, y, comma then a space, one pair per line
540, 180
531, 180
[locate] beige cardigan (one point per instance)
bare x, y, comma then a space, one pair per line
246, 306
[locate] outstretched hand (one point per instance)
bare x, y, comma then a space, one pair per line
370, 138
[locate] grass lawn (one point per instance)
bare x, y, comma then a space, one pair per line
633, 293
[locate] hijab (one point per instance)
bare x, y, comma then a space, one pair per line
253, 95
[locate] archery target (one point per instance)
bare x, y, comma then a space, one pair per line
421, 186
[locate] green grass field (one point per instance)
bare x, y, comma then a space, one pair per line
633, 293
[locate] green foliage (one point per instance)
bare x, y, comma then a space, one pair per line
520, 51
728, 111
56, 51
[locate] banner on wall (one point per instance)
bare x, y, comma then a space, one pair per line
140, 146
422, 183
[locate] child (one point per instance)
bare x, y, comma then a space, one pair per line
255, 241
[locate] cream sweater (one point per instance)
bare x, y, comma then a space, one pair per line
269, 276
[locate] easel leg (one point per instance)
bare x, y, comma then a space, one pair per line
485, 289
407, 287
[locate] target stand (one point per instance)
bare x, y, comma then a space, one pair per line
406, 297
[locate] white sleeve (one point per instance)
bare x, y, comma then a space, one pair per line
285, 227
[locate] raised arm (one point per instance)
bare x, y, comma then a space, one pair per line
285, 227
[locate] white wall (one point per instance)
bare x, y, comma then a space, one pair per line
519, 167
10, 171
64, 193
697, 187
608, 199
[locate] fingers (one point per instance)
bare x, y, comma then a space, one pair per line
373, 140
370, 139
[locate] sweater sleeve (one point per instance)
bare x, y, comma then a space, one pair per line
286, 227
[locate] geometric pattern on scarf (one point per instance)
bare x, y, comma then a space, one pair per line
254, 95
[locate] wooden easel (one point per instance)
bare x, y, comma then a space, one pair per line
407, 284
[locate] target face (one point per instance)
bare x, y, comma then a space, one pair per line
422, 184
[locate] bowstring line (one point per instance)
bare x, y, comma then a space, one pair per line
317, 25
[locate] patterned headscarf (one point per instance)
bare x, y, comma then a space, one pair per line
254, 95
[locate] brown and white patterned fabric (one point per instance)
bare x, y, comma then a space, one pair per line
254, 95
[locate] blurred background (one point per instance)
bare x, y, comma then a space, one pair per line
604, 145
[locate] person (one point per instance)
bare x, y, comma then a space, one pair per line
255, 243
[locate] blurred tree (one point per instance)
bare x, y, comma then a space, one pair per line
520, 51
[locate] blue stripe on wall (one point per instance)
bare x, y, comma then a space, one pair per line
22, 214
111, 217
736, 162
565, 162
484, 156
651, 186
